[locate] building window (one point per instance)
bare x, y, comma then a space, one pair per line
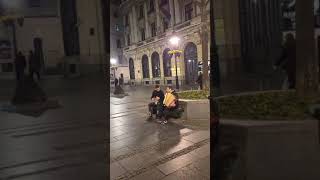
145, 66
126, 20
118, 43
34, 3
153, 29
143, 36
151, 5
167, 63
188, 11
155, 62
131, 68
117, 27
128, 40
141, 12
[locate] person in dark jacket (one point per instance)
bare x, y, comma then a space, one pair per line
170, 105
34, 65
116, 81
199, 81
157, 97
287, 61
20, 65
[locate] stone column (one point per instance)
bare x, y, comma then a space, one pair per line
131, 26
145, 8
135, 23
172, 10
158, 16
161, 64
150, 64
177, 10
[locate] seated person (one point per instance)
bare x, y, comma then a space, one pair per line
157, 98
170, 105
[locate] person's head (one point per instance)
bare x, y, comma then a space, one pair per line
30, 52
169, 89
20, 53
289, 38
157, 87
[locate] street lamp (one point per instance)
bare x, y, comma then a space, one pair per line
113, 61
174, 41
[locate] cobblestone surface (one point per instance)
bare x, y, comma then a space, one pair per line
143, 149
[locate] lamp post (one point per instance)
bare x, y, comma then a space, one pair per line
175, 42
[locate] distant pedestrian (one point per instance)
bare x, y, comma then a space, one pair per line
199, 81
34, 65
20, 65
287, 61
121, 81
116, 81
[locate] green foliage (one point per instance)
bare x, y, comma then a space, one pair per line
272, 105
193, 95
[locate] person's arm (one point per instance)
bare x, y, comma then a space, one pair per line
153, 95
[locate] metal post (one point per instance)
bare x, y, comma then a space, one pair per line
177, 79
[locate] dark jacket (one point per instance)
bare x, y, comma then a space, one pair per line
34, 62
20, 62
159, 94
199, 80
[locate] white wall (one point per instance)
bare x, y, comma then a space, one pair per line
90, 16
49, 30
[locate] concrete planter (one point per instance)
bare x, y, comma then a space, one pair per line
274, 150
195, 109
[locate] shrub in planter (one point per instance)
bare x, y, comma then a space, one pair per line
273, 105
193, 94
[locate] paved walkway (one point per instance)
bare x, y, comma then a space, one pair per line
142, 149
62, 144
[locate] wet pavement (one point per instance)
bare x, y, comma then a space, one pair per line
144, 149
65, 143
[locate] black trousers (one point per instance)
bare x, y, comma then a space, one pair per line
32, 72
155, 108
19, 74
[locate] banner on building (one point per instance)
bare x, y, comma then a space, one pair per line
289, 14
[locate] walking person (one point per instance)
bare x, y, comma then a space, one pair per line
287, 61
20, 65
34, 65
121, 81
116, 81
199, 81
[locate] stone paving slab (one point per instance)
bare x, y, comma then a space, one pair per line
148, 150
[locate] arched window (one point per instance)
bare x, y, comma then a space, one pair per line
155, 61
191, 63
167, 63
145, 66
131, 68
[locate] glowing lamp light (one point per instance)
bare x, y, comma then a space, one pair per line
113, 61
174, 40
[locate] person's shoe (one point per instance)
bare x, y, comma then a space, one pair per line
164, 122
